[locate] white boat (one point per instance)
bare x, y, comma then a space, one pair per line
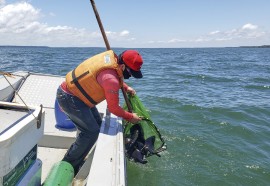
31, 143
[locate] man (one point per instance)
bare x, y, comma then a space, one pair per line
94, 80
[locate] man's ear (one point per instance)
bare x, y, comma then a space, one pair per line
122, 66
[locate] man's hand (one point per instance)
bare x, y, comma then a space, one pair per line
131, 91
135, 118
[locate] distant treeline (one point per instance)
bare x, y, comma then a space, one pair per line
262, 46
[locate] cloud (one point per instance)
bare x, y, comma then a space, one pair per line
17, 17
238, 36
2, 2
20, 25
176, 40
247, 31
249, 26
124, 33
214, 32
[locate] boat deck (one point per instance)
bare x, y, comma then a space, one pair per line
107, 158
41, 89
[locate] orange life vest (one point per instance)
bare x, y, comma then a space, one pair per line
82, 81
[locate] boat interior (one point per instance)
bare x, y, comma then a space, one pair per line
33, 128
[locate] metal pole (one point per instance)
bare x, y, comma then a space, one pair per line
100, 25
108, 48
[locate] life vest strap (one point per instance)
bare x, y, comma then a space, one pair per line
76, 79
76, 82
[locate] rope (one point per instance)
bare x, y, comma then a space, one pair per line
16, 92
6, 74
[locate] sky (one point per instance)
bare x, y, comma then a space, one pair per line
135, 24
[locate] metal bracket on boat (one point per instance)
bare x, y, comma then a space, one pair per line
39, 118
6, 74
107, 121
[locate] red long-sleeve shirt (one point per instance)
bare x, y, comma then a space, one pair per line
109, 81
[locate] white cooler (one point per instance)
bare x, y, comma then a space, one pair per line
19, 136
